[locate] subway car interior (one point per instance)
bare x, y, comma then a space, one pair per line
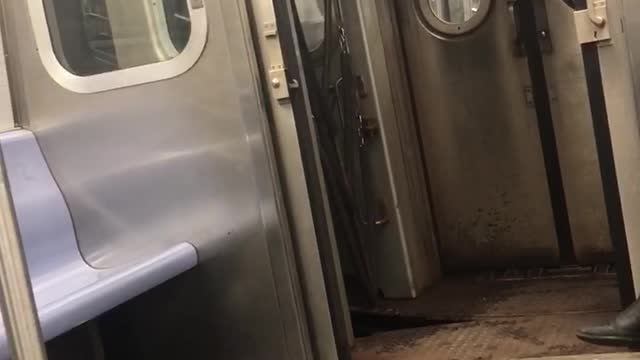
479, 223
317, 179
474, 199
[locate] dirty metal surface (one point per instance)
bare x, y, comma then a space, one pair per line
473, 298
488, 339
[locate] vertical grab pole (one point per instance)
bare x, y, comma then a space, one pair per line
16, 298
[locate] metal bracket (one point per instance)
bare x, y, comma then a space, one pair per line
592, 25
278, 82
277, 72
270, 29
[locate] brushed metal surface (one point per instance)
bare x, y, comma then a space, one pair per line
618, 77
316, 285
481, 143
632, 22
145, 162
404, 251
183, 160
575, 138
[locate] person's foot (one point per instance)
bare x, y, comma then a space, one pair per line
624, 330
608, 335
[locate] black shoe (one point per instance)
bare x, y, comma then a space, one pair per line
624, 330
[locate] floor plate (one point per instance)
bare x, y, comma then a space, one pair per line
618, 356
471, 298
497, 319
491, 339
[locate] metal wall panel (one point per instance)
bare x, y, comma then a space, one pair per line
622, 91
481, 143
179, 160
575, 138
632, 36
404, 251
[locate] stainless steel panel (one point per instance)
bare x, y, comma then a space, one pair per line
575, 138
182, 160
321, 278
186, 158
621, 80
632, 37
404, 251
481, 143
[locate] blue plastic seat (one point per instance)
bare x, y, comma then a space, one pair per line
69, 292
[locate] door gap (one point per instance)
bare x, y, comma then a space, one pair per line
528, 26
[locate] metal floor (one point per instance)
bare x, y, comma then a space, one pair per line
493, 319
616, 356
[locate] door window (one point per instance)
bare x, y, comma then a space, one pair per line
94, 41
454, 17
455, 11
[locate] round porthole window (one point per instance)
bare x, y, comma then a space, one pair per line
455, 17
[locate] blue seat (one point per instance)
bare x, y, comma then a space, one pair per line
67, 290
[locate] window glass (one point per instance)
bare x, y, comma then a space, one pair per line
311, 13
96, 36
453, 17
455, 11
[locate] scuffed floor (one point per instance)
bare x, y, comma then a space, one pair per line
616, 356
491, 339
498, 320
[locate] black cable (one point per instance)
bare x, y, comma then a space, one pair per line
339, 187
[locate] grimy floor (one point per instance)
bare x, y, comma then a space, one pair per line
501, 318
618, 356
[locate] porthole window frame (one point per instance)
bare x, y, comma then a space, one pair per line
124, 77
440, 26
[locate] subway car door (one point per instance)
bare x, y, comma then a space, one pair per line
608, 32
541, 97
150, 118
500, 86
496, 197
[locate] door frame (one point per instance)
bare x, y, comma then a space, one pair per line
336, 341
596, 58
284, 268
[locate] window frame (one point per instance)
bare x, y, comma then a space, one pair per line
440, 26
125, 77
